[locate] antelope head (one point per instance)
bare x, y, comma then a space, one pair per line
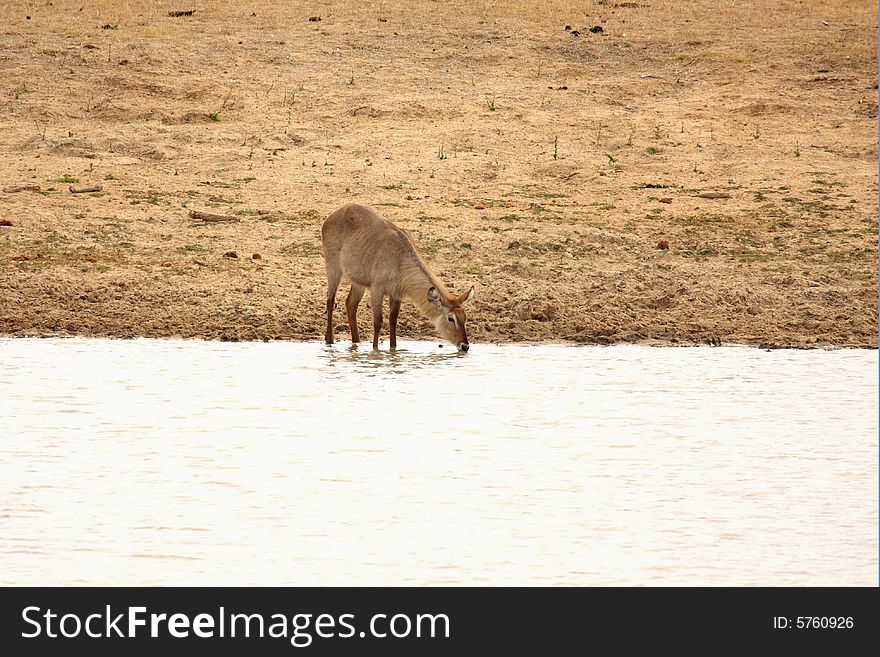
450, 318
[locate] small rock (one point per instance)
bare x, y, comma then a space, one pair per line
200, 263
575, 33
597, 29
256, 256
662, 244
230, 254
5, 222
479, 206
314, 19
666, 199
513, 245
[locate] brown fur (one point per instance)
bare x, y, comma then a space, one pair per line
371, 253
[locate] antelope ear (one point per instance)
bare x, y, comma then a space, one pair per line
466, 297
433, 295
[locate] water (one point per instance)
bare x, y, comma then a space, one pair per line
159, 462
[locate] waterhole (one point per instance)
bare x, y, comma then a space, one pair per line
166, 462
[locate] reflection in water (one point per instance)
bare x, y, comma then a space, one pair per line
187, 462
371, 361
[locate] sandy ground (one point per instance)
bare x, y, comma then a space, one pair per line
543, 162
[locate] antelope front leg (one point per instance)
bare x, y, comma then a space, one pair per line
376, 301
394, 310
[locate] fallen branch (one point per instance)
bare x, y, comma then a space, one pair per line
712, 195
212, 218
84, 190
26, 187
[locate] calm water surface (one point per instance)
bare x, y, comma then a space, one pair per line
185, 462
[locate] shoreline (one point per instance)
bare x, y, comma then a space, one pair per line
365, 344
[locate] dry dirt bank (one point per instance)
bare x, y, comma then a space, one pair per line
545, 167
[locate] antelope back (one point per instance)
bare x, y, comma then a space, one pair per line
371, 251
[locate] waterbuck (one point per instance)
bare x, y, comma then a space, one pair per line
371, 252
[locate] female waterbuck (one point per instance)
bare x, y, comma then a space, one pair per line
371, 252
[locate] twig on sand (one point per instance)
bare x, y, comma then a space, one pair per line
84, 190
712, 195
26, 187
212, 218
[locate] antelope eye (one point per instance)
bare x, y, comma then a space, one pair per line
450, 318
